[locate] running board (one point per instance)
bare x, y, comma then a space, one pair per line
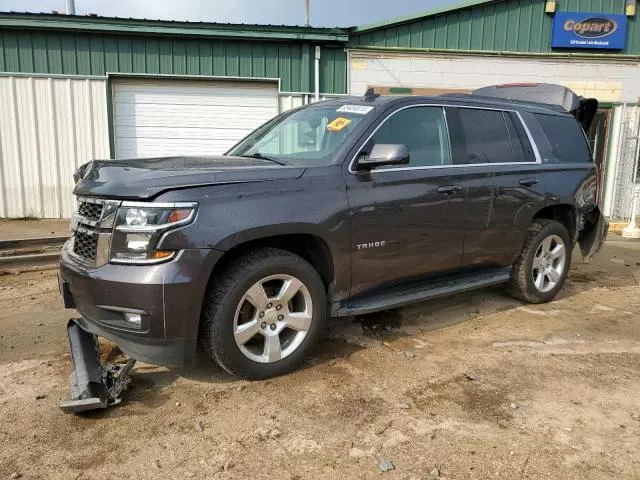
400, 296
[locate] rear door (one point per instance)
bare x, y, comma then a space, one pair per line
504, 179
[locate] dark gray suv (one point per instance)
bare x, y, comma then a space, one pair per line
338, 208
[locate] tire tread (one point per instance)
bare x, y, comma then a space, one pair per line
225, 282
518, 285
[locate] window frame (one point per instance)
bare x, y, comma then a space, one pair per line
443, 106
547, 141
444, 125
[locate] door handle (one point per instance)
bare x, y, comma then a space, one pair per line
527, 182
449, 189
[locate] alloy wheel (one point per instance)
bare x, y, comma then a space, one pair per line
273, 318
549, 263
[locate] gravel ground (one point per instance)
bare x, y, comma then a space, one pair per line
474, 386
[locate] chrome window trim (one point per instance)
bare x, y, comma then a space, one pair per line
443, 107
536, 152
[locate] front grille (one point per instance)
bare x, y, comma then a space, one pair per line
90, 210
91, 228
85, 245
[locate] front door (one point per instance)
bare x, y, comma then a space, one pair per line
404, 223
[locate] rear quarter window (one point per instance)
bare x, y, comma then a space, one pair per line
566, 140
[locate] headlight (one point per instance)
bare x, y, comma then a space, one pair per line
138, 228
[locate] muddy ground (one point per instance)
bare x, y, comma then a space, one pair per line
475, 386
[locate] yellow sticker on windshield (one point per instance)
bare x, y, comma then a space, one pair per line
338, 124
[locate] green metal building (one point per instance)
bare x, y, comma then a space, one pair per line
75, 88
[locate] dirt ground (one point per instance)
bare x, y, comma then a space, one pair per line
471, 387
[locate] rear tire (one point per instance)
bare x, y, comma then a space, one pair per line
543, 264
264, 314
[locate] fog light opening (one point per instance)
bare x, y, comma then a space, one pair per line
133, 318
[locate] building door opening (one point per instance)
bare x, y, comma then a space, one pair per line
598, 135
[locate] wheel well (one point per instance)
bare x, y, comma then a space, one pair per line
565, 214
310, 247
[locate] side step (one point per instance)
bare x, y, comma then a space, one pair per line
416, 292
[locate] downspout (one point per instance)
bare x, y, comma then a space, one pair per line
614, 160
632, 230
71, 7
316, 72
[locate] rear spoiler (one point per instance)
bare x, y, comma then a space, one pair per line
583, 109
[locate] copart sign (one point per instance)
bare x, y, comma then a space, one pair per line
589, 30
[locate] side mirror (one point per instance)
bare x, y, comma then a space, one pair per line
384, 154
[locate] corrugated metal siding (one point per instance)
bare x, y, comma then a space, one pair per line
510, 25
48, 127
97, 54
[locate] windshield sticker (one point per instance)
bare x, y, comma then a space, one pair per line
338, 124
359, 109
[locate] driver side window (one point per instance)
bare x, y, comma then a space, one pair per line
423, 130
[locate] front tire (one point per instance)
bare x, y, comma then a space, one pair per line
264, 314
544, 262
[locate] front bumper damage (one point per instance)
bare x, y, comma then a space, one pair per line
91, 384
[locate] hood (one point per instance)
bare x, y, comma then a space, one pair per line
146, 178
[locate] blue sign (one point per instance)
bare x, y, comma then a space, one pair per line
589, 30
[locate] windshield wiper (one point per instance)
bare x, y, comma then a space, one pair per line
265, 157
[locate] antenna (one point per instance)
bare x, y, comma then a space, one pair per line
370, 95
306, 13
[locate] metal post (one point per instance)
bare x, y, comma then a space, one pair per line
632, 230
317, 74
306, 13
71, 7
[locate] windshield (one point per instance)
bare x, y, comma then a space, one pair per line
309, 135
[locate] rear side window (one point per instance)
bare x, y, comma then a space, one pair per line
481, 136
565, 137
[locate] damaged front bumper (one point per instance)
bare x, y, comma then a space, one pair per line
92, 385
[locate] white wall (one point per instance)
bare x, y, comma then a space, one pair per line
48, 127
608, 81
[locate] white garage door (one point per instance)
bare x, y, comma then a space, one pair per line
163, 117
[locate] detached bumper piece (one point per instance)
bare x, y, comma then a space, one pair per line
91, 385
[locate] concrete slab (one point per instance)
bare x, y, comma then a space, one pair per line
16, 229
